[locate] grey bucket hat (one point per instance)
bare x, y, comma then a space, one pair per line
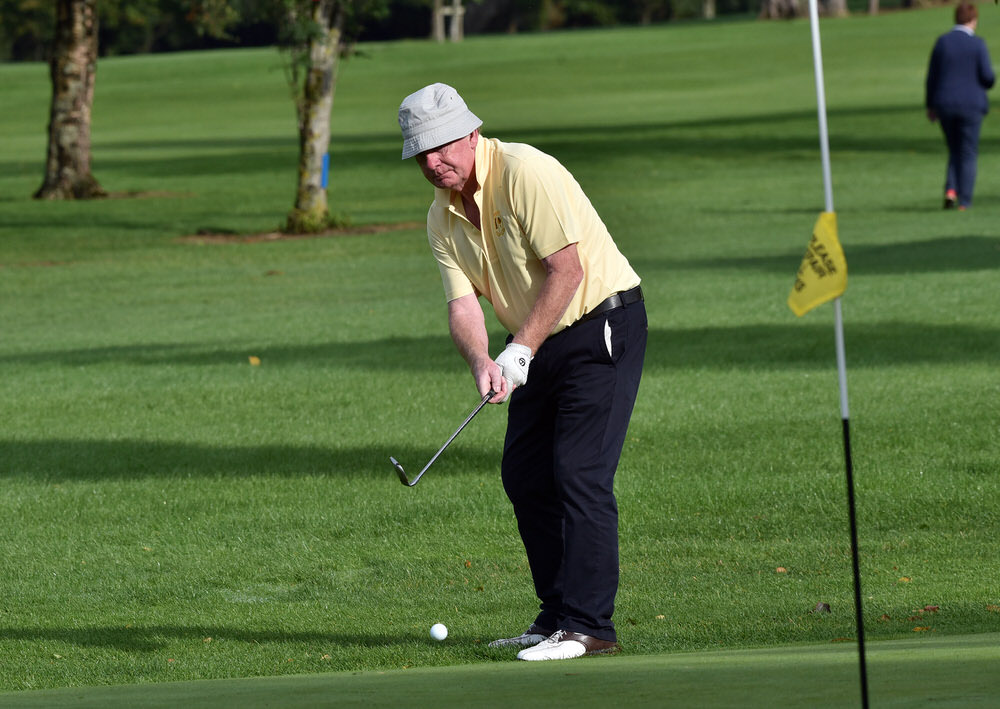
433, 116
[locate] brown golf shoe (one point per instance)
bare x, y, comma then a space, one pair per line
565, 645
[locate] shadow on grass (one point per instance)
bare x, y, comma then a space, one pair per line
724, 136
797, 346
960, 253
435, 353
56, 460
152, 638
771, 347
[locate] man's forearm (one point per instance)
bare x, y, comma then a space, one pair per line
564, 274
468, 330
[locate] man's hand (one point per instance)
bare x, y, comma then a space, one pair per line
513, 363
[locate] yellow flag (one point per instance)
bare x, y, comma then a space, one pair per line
823, 273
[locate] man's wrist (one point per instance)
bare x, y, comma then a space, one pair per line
514, 362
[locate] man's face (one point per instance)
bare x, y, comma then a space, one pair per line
450, 165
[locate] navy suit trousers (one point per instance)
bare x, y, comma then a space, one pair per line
961, 132
565, 431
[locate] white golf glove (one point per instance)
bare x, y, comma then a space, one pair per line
513, 363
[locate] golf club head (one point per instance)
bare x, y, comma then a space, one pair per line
399, 468
400, 472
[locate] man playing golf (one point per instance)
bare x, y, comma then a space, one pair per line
510, 224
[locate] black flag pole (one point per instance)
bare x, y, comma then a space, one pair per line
851, 507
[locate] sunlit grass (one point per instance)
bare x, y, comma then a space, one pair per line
174, 511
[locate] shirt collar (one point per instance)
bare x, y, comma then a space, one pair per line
965, 28
484, 154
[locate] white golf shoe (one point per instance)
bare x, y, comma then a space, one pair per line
565, 645
531, 636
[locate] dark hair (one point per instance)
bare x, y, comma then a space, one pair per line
965, 13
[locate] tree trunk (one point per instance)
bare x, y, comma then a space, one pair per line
437, 21
552, 14
836, 8
779, 9
73, 68
872, 7
708, 9
314, 105
457, 27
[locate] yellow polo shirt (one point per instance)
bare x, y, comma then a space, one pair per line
530, 207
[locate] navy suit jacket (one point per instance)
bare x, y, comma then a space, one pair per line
959, 74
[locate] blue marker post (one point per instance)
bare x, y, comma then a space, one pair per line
325, 180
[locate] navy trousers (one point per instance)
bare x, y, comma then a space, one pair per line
961, 133
565, 431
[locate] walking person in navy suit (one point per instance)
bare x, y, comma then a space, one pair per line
960, 72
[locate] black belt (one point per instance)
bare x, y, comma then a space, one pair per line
615, 300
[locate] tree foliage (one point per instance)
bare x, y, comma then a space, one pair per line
27, 28
139, 26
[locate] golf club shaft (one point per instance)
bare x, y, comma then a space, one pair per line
489, 395
399, 468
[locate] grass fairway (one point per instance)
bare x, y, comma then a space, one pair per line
174, 510
957, 672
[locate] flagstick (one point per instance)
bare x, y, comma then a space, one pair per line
841, 357
849, 466
824, 140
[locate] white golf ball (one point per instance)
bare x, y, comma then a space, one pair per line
439, 631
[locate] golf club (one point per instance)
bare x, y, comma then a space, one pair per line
399, 468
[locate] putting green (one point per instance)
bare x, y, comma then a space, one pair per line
956, 672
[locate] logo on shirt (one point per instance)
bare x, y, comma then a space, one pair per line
498, 227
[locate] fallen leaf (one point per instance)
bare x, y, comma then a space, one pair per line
56, 656
254, 361
325, 657
905, 579
781, 570
932, 609
822, 607
993, 609
921, 629
884, 618
207, 640
660, 617
468, 564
